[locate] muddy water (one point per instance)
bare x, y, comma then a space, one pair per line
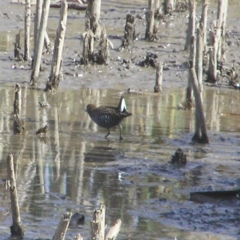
74, 168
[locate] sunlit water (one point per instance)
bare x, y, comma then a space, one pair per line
75, 168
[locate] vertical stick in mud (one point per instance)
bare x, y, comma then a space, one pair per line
37, 20
62, 226
222, 46
27, 30
129, 31
191, 23
200, 134
159, 76
169, 6
93, 16
16, 228
199, 60
203, 23
40, 41
192, 51
88, 44
98, 224
150, 20
55, 74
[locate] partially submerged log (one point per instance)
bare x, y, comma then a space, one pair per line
16, 228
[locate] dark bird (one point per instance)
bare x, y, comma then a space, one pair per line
107, 116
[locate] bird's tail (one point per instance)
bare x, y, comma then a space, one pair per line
122, 107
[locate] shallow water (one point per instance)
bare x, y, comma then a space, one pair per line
75, 168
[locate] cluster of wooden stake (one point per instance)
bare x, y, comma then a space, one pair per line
17, 229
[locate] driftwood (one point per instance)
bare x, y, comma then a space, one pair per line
39, 45
16, 228
27, 30
55, 75
159, 76
62, 226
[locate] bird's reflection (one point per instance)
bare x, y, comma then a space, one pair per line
101, 154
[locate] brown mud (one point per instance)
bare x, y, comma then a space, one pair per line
73, 167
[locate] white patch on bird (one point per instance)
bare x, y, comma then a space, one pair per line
123, 105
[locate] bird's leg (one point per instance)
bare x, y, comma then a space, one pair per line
120, 129
107, 133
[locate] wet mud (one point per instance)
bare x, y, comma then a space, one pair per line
73, 167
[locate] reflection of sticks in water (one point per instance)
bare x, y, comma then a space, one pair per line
16, 228
17, 100
18, 124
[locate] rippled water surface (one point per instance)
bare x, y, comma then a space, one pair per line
74, 168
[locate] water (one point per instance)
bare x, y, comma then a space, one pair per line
75, 168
